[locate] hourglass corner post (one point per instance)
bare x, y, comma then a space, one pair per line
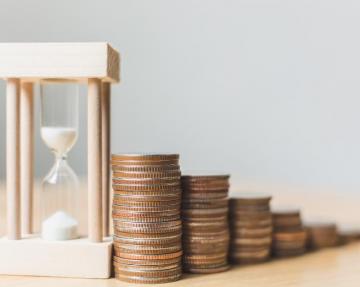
105, 144
95, 216
13, 158
27, 156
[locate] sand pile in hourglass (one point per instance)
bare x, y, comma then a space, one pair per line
146, 217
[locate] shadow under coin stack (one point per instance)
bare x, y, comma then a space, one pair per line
322, 235
289, 236
146, 217
205, 223
250, 228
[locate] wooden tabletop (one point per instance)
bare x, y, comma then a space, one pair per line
331, 267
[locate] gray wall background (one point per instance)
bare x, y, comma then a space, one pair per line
267, 90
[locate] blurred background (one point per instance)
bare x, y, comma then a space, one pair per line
267, 90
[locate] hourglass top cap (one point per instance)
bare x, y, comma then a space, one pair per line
77, 61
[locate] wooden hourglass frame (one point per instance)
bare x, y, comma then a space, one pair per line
22, 65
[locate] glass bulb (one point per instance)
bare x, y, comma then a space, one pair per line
59, 129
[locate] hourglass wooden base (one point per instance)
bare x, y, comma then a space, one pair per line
77, 258
22, 65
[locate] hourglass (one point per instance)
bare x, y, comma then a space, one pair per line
58, 68
59, 129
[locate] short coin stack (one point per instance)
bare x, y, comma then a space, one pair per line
348, 234
250, 228
205, 223
146, 217
289, 236
322, 234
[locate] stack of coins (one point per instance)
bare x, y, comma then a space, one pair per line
349, 234
289, 236
250, 228
205, 223
146, 217
322, 235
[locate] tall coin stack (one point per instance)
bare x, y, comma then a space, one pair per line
289, 236
146, 217
205, 223
250, 228
322, 235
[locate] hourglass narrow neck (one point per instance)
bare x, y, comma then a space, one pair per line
60, 162
60, 157
60, 170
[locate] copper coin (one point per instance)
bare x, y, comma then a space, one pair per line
147, 236
154, 240
168, 206
197, 175
117, 212
146, 219
143, 163
289, 253
205, 257
150, 273
120, 230
143, 204
252, 232
143, 175
208, 270
254, 223
252, 241
284, 222
146, 280
145, 181
214, 226
147, 195
250, 198
235, 218
261, 253
215, 238
204, 204
285, 211
204, 248
145, 156
146, 168
148, 199
204, 186
187, 258
152, 262
127, 267
205, 214
247, 261
147, 187
149, 256
146, 249
250, 208
288, 245
205, 195
322, 235
204, 190
159, 227
290, 236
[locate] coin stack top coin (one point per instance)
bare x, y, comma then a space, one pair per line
146, 217
289, 236
205, 223
250, 228
322, 234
